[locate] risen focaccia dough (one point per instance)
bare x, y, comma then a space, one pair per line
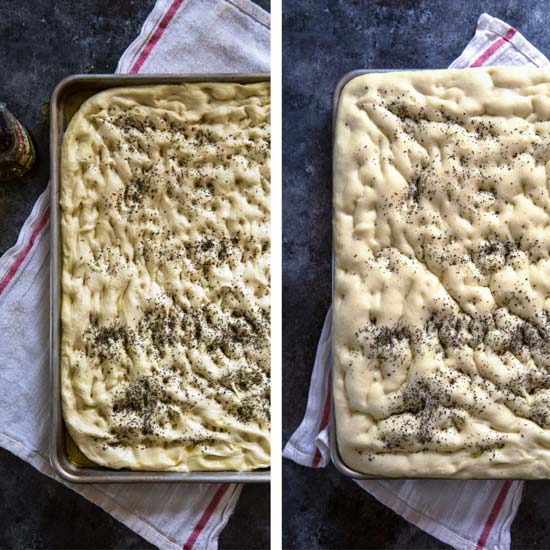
442, 273
165, 277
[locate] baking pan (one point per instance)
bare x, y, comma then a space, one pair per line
66, 458
335, 457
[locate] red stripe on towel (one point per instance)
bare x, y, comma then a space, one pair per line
324, 421
24, 253
493, 48
205, 517
159, 31
493, 515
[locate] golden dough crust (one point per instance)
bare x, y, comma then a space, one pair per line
165, 277
441, 336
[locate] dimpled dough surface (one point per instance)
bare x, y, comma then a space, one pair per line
165, 277
442, 273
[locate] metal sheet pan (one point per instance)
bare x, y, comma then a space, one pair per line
66, 458
335, 457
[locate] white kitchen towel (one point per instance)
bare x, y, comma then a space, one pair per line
217, 36
205, 36
463, 514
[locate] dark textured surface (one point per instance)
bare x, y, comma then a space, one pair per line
323, 40
40, 43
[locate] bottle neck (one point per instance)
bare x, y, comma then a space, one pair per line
7, 131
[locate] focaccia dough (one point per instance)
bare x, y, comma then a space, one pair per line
442, 273
165, 277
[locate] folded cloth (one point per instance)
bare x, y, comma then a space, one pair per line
463, 514
169, 516
214, 36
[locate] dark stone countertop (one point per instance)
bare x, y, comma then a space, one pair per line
40, 43
322, 40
